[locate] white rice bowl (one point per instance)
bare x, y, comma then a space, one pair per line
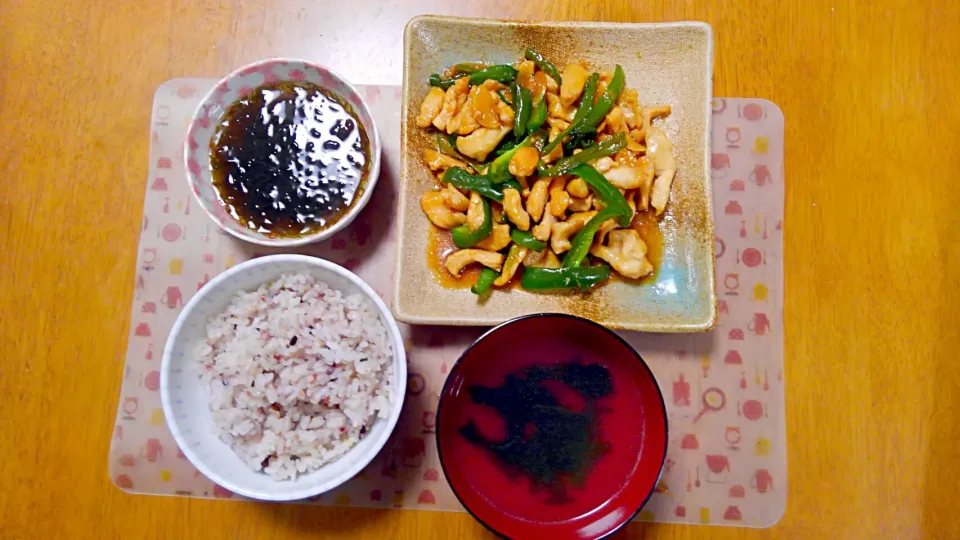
296, 374
283, 440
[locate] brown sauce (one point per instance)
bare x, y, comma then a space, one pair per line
440, 244
289, 159
648, 226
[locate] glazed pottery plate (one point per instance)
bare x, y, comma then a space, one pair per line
668, 64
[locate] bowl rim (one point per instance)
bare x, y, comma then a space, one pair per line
373, 175
663, 412
399, 366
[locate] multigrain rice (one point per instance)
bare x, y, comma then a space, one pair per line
297, 374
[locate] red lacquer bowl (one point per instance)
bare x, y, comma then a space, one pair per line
552, 426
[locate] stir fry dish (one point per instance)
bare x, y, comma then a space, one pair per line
542, 173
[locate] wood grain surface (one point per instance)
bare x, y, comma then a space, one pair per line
872, 270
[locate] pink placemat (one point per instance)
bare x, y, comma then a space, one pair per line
726, 461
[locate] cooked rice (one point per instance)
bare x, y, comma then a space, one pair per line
297, 374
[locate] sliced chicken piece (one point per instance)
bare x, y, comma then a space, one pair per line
475, 214
625, 177
654, 111
626, 158
557, 123
604, 230
441, 162
603, 164
548, 82
629, 104
524, 161
513, 206
563, 231
578, 189
647, 171
481, 142
614, 121
645, 118
557, 151
661, 191
559, 198
549, 260
537, 200
557, 109
603, 82
574, 78
440, 214
660, 150
506, 113
498, 239
510, 266
430, 107
485, 110
581, 204
528, 79
493, 86
455, 97
457, 260
629, 195
463, 123
454, 199
543, 231
626, 253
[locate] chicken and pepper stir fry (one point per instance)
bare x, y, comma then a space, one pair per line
543, 170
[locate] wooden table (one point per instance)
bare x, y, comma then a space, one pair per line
872, 269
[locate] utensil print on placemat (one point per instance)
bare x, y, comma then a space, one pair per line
732, 436
713, 400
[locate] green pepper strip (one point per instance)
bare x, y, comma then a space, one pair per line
506, 146
511, 184
464, 238
586, 103
499, 170
524, 108
527, 240
608, 194
505, 100
543, 64
580, 246
603, 105
501, 73
579, 140
606, 148
461, 179
538, 116
539, 279
469, 67
435, 80
485, 281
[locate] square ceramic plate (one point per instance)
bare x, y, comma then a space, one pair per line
668, 64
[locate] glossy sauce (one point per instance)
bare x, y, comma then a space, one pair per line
439, 245
289, 159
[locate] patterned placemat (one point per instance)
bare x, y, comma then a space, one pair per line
726, 462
